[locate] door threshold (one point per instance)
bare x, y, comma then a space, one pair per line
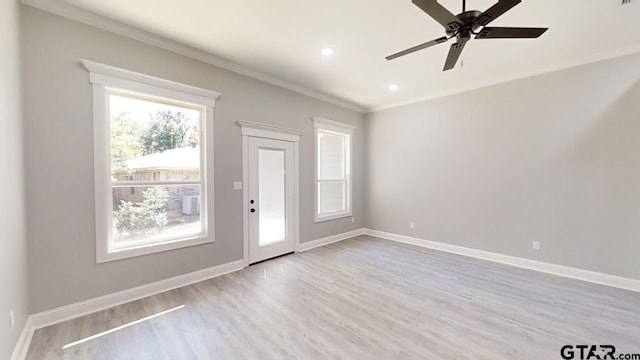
272, 258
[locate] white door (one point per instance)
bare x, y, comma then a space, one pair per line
271, 202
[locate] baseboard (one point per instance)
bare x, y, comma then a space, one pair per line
560, 270
54, 316
329, 239
68, 312
22, 346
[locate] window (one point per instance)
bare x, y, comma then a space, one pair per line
153, 144
333, 169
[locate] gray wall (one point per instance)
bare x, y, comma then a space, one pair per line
59, 158
552, 158
13, 243
557, 163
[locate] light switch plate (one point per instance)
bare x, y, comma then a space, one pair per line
237, 185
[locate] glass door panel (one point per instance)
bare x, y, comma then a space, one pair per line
271, 196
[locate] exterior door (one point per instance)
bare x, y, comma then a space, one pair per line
271, 198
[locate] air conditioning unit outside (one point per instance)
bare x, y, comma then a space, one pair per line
191, 204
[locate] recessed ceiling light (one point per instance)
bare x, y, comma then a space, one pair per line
393, 87
327, 51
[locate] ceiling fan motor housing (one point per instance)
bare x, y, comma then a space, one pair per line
468, 25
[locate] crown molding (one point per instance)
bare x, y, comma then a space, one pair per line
597, 57
62, 8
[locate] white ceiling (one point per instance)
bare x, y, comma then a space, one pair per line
283, 39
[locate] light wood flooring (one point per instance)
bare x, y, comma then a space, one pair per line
362, 298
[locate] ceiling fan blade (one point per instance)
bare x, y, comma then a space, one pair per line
454, 53
418, 47
439, 13
501, 7
510, 33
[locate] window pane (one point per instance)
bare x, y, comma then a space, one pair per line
331, 196
153, 141
331, 152
271, 196
157, 213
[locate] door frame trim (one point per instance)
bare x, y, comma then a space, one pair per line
255, 129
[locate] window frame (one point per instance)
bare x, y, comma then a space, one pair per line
107, 79
325, 125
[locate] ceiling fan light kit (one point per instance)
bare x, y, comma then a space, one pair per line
466, 24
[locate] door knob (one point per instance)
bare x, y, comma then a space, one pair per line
253, 210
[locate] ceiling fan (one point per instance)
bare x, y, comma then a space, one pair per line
468, 23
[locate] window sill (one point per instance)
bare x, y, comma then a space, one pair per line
106, 256
334, 216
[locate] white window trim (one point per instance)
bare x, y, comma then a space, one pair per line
330, 125
103, 77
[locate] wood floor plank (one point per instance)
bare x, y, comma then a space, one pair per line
362, 298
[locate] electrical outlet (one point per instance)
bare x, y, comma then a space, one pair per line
536, 245
12, 319
353, 220
412, 225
